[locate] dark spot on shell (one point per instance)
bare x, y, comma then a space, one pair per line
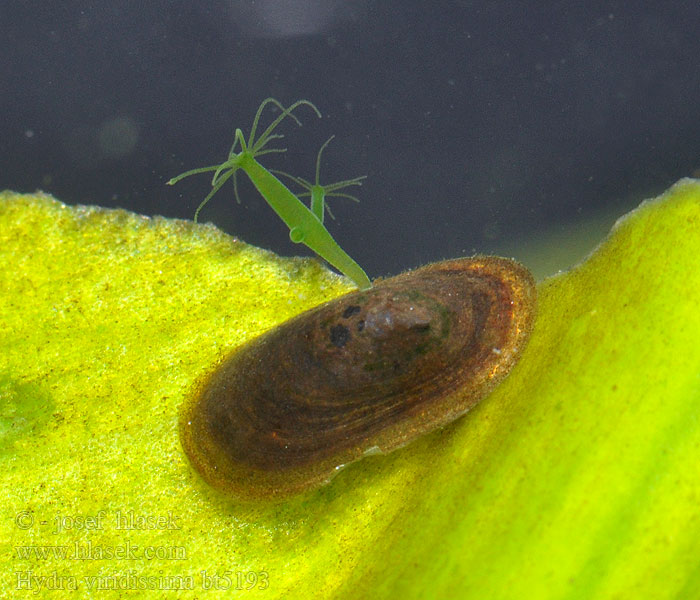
340, 335
350, 311
371, 370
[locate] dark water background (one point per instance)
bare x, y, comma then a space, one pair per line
482, 126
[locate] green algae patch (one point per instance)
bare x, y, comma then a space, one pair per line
579, 477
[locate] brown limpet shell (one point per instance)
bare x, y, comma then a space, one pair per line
367, 372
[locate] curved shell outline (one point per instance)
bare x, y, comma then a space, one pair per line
367, 372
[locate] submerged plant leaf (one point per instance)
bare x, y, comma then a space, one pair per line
578, 477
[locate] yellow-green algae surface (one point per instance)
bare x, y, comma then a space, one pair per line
579, 477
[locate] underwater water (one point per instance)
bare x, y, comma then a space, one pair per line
522, 129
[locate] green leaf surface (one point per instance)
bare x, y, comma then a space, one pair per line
579, 477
